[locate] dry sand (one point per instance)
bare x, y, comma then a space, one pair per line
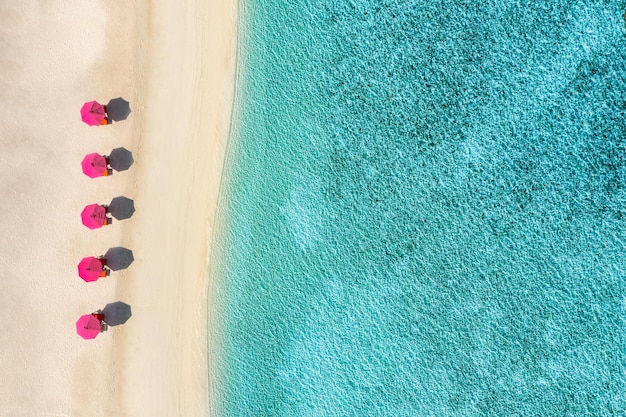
175, 63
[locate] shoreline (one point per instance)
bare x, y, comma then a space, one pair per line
192, 48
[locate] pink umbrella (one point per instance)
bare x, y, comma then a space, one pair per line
94, 165
93, 113
94, 216
88, 326
90, 269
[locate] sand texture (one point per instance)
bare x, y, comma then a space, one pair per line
174, 63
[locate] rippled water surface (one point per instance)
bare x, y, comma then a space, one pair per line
424, 210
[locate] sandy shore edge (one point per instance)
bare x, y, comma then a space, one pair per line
164, 350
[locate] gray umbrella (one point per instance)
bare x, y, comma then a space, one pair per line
116, 313
118, 109
121, 159
122, 208
119, 258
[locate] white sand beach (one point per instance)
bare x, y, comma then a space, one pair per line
175, 63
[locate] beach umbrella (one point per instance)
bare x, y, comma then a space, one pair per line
119, 258
88, 326
90, 269
117, 313
93, 113
94, 216
120, 159
118, 109
121, 208
94, 165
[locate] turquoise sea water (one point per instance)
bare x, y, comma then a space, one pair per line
424, 210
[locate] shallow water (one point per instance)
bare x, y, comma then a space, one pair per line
424, 210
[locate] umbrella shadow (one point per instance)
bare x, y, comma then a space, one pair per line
121, 159
118, 109
116, 313
122, 208
119, 258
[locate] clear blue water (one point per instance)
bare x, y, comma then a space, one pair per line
424, 210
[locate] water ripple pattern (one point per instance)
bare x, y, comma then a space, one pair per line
425, 210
